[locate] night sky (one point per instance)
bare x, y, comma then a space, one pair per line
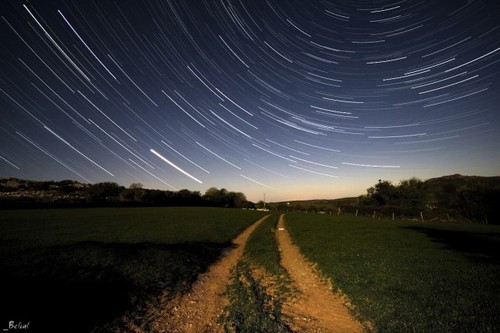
295, 99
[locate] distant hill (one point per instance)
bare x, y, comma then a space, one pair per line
456, 182
21, 193
16, 184
15, 187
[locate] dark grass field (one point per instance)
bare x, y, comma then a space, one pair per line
408, 277
80, 270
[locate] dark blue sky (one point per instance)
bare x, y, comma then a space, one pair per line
297, 99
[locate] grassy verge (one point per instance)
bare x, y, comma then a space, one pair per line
262, 248
408, 277
258, 286
94, 265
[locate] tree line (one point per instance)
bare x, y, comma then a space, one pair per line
110, 193
409, 197
18, 193
446, 198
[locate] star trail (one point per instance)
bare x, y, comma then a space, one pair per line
297, 99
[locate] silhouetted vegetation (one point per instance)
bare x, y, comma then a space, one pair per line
407, 198
17, 193
447, 198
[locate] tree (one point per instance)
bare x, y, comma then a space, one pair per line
384, 193
408, 197
212, 194
236, 199
186, 198
134, 193
102, 192
217, 197
157, 197
261, 204
248, 205
412, 194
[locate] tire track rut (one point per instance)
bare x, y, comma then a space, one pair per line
315, 308
198, 310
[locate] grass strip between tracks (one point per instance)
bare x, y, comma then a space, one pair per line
259, 285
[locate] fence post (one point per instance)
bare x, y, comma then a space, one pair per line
356, 212
421, 216
393, 216
373, 215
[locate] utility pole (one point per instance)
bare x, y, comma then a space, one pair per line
264, 200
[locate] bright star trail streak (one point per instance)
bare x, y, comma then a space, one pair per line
175, 166
303, 99
187, 159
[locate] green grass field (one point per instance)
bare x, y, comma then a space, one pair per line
94, 265
408, 277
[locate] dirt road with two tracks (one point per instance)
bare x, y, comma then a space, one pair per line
314, 308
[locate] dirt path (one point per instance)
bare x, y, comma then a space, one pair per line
316, 308
198, 310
